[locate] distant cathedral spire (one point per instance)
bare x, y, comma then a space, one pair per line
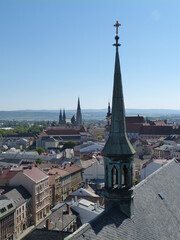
60, 117
73, 120
64, 116
78, 114
108, 116
118, 151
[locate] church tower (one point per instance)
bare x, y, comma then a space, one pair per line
108, 116
78, 114
64, 117
118, 151
60, 117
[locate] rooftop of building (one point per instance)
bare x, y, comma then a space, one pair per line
60, 218
93, 199
158, 123
58, 171
156, 211
44, 234
8, 173
6, 206
19, 195
62, 130
86, 209
134, 119
165, 147
72, 168
159, 130
160, 161
84, 191
35, 174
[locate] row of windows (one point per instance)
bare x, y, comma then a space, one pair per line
43, 203
18, 211
7, 226
20, 217
42, 195
41, 186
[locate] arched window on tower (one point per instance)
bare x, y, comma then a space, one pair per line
114, 177
124, 176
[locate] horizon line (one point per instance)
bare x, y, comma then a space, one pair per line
83, 109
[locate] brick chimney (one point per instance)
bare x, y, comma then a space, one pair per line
48, 224
68, 209
86, 183
74, 227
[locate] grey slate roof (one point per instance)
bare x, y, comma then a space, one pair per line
42, 234
156, 211
19, 195
10, 161
6, 206
56, 218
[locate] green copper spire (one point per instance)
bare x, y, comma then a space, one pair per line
118, 143
118, 151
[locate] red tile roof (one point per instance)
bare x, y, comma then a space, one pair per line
67, 169
64, 131
7, 173
133, 127
159, 123
72, 168
157, 130
151, 129
135, 119
58, 171
35, 174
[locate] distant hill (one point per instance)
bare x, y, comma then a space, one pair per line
88, 114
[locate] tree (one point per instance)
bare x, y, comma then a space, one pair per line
40, 150
69, 144
99, 137
38, 161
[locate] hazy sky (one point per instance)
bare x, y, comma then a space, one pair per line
52, 51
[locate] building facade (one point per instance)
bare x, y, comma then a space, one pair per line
37, 183
7, 209
22, 215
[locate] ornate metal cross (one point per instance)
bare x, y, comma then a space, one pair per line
117, 25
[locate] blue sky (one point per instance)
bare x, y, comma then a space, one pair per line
52, 51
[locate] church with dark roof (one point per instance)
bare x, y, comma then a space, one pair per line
76, 119
147, 211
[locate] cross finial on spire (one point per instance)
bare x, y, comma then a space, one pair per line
117, 24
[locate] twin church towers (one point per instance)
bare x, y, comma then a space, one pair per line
76, 119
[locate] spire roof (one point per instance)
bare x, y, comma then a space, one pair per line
78, 114
78, 107
118, 143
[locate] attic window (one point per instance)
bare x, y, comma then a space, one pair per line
9, 205
3, 210
161, 195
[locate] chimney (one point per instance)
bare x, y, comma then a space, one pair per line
74, 227
1, 170
48, 224
97, 203
68, 209
86, 183
95, 207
